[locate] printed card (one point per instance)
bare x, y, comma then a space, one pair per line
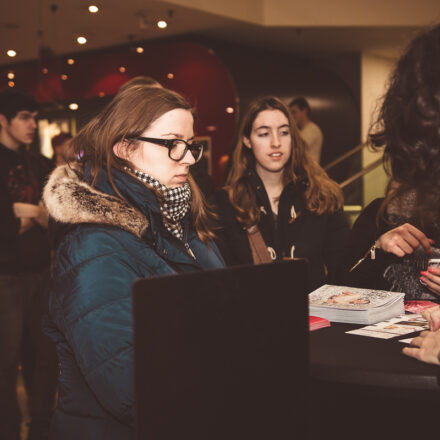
401, 325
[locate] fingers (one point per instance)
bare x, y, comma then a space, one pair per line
417, 342
431, 278
425, 348
420, 236
403, 240
432, 315
412, 352
423, 240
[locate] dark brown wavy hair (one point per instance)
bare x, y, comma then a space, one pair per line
322, 195
131, 111
409, 127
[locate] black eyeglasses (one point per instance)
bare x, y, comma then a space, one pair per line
177, 148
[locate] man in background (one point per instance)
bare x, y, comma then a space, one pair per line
310, 132
24, 268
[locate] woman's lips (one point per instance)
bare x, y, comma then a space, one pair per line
276, 156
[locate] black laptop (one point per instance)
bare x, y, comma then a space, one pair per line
222, 354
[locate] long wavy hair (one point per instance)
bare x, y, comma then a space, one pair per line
322, 194
409, 127
128, 115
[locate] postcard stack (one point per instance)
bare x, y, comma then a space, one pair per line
354, 305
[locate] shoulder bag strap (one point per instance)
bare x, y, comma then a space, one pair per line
260, 254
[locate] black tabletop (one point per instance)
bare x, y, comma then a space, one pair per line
352, 359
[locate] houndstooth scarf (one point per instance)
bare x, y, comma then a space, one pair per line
174, 203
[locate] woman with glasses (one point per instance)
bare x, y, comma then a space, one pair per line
129, 210
278, 202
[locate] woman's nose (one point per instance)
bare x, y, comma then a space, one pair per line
276, 140
188, 158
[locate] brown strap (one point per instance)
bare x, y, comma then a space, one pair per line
260, 254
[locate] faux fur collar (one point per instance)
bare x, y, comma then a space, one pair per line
71, 200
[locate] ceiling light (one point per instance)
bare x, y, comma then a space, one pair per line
122, 69
64, 77
101, 94
45, 70
81, 40
162, 24
11, 83
140, 49
229, 110
11, 75
93, 9
73, 106
70, 61
170, 76
11, 53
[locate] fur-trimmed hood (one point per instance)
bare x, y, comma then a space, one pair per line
70, 200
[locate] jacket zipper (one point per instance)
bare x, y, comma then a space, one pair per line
188, 249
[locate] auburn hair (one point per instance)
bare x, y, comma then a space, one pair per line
322, 194
127, 116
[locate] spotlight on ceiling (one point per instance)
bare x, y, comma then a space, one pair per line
73, 106
11, 83
70, 61
11, 53
93, 9
162, 24
81, 40
11, 75
140, 49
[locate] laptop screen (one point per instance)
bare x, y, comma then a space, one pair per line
222, 353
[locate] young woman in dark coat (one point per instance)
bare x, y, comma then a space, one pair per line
275, 185
129, 211
394, 237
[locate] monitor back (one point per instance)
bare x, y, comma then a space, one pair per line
222, 354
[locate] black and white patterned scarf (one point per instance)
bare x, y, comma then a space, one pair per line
174, 203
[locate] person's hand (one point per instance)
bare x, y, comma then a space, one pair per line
25, 225
431, 277
42, 217
25, 210
425, 348
37, 213
403, 240
432, 315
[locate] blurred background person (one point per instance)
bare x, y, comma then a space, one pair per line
394, 237
61, 148
24, 266
278, 202
309, 131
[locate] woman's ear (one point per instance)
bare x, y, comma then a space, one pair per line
247, 142
120, 150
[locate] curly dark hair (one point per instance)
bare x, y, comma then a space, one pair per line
409, 127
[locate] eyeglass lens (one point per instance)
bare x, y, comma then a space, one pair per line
178, 150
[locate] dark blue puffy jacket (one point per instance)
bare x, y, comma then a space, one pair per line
107, 243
